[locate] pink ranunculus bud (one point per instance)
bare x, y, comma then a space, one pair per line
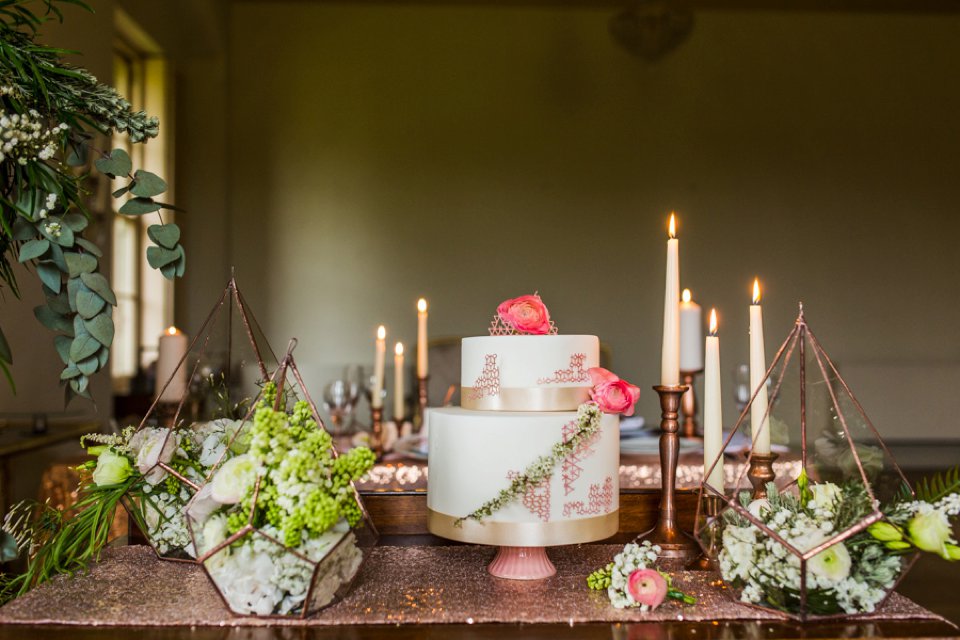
648, 587
612, 394
526, 314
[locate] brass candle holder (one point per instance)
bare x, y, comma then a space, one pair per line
710, 537
761, 472
421, 402
690, 428
376, 430
674, 544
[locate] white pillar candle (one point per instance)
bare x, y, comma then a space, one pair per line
171, 349
712, 410
398, 404
759, 420
376, 396
691, 333
670, 355
422, 338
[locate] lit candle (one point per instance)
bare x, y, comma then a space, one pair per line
670, 358
376, 399
421, 338
759, 421
398, 404
171, 349
691, 333
712, 412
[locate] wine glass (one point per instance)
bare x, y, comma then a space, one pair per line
337, 401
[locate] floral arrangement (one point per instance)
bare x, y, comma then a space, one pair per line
631, 581
850, 576
609, 395
526, 315
50, 114
273, 527
130, 467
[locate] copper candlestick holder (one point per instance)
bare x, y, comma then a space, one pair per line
689, 403
711, 536
674, 544
421, 402
761, 472
376, 430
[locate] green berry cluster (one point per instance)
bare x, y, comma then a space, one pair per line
600, 579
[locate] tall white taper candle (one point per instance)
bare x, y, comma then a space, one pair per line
398, 404
670, 358
712, 409
422, 367
759, 420
376, 396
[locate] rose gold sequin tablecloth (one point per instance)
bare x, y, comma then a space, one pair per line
397, 585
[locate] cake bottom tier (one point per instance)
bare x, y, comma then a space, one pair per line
474, 455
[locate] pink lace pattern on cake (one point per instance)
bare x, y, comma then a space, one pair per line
571, 468
576, 372
537, 497
599, 501
488, 383
500, 328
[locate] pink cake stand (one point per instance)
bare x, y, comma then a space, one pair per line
521, 563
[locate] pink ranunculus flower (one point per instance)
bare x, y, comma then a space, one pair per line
526, 314
648, 587
612, 394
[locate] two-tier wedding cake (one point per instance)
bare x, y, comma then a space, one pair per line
531, 458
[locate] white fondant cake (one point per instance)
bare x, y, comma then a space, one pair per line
474, 455
527, 373
520, 395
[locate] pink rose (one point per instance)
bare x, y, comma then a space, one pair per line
526, 314
648, 587
612, 394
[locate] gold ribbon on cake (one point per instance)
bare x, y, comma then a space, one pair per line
525, 399
524, 534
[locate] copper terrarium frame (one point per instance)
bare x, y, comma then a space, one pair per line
713, 503
231, 302
365, 531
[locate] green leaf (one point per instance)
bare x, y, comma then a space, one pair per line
119, 192
103, 356
65, 239
83, 347
89, 246
59, 303
8, 547
159, 257
78, 155
5, 353
98, 283
73, 287
78, 263
939, 485
89, 366
165, 235
62, 344
139, 206
76, 221
89, 304
6, 373
33, 249
116, 163
147, 184
49, 275
56, 254
23, 230
182, 263
101, 328
52, 320
80, 384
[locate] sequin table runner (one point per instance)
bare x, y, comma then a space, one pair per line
130, 586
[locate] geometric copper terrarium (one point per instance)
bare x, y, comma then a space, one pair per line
803, 550
202, 407
259, 551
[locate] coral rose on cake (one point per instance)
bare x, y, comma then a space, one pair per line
526, 314
612, 394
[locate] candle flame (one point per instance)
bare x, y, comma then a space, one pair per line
673, 225
713, 322
172, 331
381, 332
422, 305
398, 349
756, 291
686, 296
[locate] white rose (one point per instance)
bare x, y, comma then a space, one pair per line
758, 507
233, 479
833, 563
155, 446
214, 532
826, 495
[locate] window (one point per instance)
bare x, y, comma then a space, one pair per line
144, 296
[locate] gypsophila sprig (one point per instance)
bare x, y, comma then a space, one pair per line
588, 423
